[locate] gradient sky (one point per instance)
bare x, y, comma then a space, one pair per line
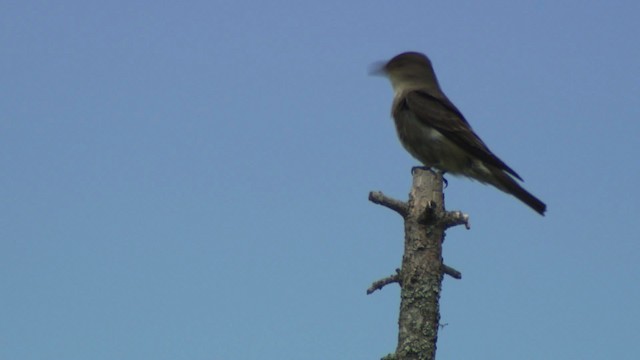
189, 180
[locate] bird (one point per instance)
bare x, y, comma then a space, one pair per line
435, 132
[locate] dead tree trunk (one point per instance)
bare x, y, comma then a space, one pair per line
420, 277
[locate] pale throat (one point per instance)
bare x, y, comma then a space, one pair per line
403, 85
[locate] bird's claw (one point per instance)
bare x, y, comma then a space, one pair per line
444, 180
425, 168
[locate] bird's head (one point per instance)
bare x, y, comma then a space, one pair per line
407, 70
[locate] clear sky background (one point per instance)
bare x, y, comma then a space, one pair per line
189, 179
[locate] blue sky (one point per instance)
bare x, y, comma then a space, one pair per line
189, 180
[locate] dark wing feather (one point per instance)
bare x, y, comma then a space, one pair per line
440, 114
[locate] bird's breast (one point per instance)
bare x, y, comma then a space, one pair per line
428, 145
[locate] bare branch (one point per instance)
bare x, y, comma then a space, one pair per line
377, 197
454, 218
451, 272
378, 285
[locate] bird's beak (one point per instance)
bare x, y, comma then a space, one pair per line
377, 68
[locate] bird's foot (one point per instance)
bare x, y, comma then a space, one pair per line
444, 180
425, 168
436, 170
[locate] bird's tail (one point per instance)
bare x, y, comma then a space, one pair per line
507, 184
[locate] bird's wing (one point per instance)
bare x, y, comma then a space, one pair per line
440, 114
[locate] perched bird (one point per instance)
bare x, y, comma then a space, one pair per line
434, 131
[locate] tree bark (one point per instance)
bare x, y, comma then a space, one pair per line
420, 277
421, 272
